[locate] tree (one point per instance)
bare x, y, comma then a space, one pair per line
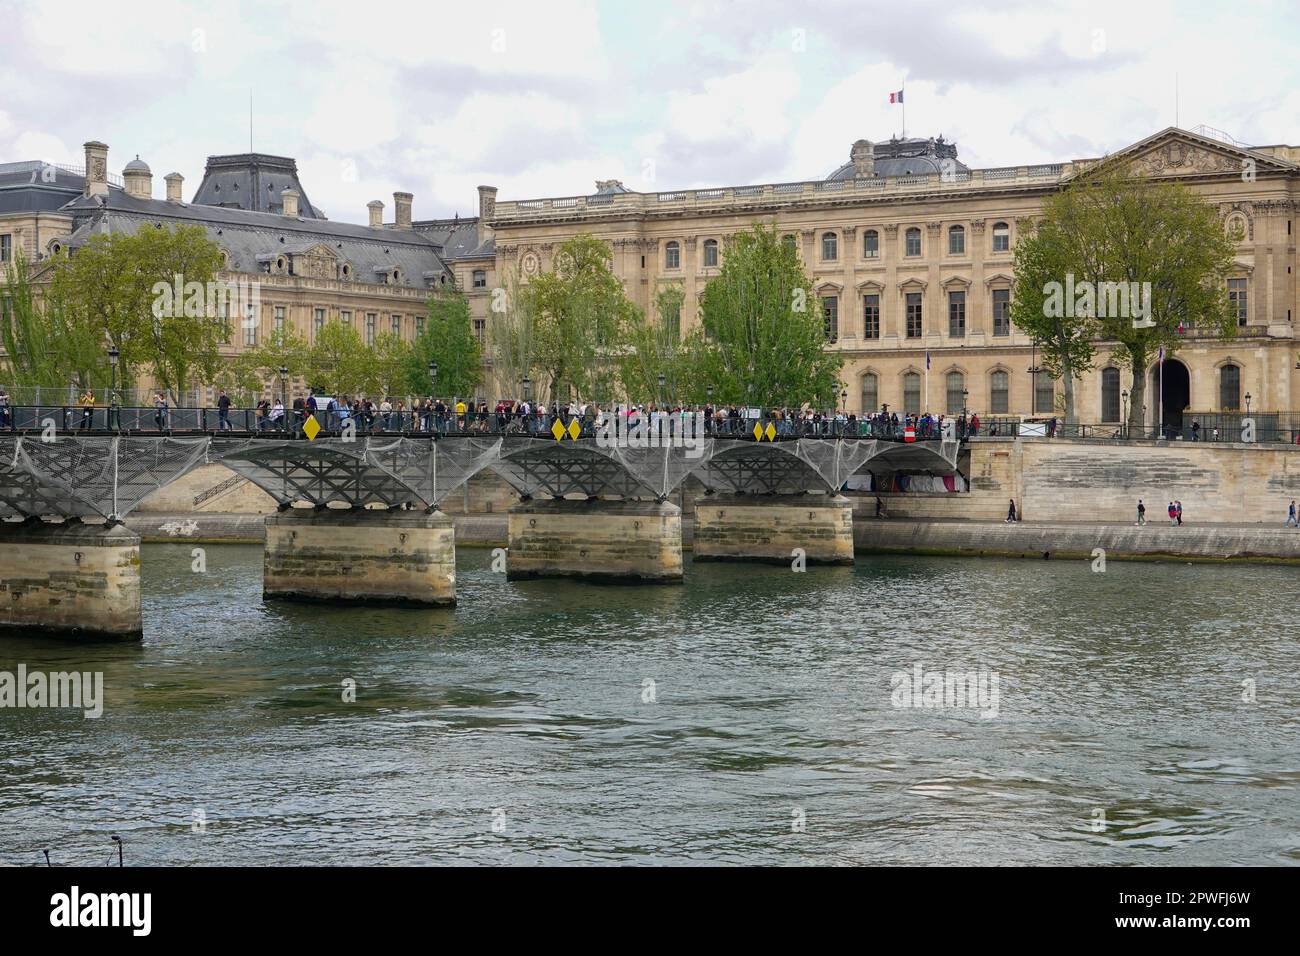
122, 286
339, 363
654, 350
389, 365
762, 338
253, 369
448, 338
1130, 261
44, 346
511, 334
582, 318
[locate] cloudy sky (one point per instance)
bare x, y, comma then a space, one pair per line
542, 99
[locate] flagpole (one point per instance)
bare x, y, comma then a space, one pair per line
902, 90
1162, 393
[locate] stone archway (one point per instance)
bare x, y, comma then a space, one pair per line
1177, 395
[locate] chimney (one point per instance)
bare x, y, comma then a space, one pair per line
863, 155
487, 210
96, 169
376, 214
289, 201
174, 181
402, 210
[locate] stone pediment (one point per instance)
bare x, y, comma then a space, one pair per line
1176, 152
315, 259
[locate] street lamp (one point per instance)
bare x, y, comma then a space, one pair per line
433, 377
660, 398
1123, 397
284, 386
1248, 403
527, 383
113, 356
709, 392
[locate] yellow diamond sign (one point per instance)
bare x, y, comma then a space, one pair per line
311, 428
758, 432
574, 429
771, 432
557, 429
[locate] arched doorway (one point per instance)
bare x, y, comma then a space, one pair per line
1177, 394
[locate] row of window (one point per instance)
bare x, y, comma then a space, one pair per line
371, 327
914, 314
830, 245
956, 396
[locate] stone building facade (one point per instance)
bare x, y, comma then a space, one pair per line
912, 253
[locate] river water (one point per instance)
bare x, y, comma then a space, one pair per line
747, 716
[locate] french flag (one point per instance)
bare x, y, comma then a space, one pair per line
896, 97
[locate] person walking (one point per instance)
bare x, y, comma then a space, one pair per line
223, 412
1173, 515
1178, 509
1142, 512
1011, 511
1291, 517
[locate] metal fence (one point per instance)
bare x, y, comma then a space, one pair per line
1268, 427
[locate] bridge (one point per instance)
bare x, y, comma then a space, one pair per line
358, 518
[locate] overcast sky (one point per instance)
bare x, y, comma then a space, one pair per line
543, 98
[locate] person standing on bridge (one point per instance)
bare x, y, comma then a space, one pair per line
223, 412
87, 409
160, 411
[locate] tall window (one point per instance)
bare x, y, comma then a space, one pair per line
831, 316
223, 317
1237, 299
6, 247
480, 278
710, 253
913, 315
871, 244
870, 393
913, 242
956, 241
672, 256
999, 392
419, 326
397, 325
830, 246
789, 241
957, 315
956, 387
912, 393
1001, 237
250, 330
1230, 388
1001, 311
344, 317
370, 328
279, 318
1110, 411
480, 325
1044, 394
871, 316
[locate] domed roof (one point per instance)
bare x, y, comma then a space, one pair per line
137, 165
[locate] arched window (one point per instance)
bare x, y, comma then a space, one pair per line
871, 244
956, 383
956, 241
710, 252
999, 393
830, 246
1110, 411
870, 393
672, 256
913, 242
1230, 388
1001, 237
912, 393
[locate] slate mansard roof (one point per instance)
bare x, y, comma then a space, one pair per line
907, 157
254, 239
254, 182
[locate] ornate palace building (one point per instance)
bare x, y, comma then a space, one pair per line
911, 253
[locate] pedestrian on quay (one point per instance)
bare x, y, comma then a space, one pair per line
1290, 516
1142, 512
1011, 511
1173, 515
1178, 508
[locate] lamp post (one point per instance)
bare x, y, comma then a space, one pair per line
659, 399
1248, 404
1123, 423
284, 397
113, 356
965, 418
433, 378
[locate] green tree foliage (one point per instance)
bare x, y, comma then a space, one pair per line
1109, 227
582, 318
121, 285
655, 349
338, 362
448, 339
44, 346
511, 337
253, 370
762, 338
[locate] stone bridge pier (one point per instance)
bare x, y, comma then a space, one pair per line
358, 521
68, 567
592, 512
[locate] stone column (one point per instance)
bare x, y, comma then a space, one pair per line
770, 528
361, 556
599, 539
70, 579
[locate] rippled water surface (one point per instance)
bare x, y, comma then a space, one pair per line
523, 726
